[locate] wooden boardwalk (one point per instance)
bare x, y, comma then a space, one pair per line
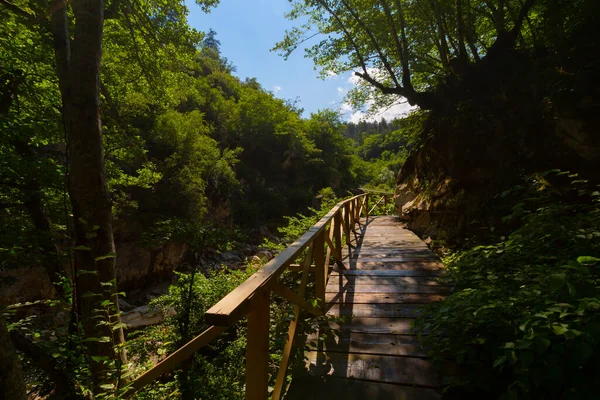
390, 275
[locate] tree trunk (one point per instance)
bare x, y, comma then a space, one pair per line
12, 385
92, 216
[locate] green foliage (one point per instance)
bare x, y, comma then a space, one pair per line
381, 149
523, 320
299, 224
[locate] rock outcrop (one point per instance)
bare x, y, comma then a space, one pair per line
512, 116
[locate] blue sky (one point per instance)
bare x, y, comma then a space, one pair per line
247, 30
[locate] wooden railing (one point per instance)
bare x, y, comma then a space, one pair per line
323, 242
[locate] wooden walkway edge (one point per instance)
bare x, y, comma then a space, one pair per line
390, 275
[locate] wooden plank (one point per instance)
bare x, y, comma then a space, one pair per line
386, 272
349, 288
397, 243
396, 266
404, 298
234, 306
366, 248
375, 310
366, 343
397, 259
353, 280
374, 368
399, 256
257, 349
327, 388
374, 325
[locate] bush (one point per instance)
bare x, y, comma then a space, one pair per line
523, 320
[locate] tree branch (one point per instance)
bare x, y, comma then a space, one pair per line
382, 56
18, 10
522, 15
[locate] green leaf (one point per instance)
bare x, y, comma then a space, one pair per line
107, 386
109, 255
540, 345
86, 271
560, 329
556, 281
587, 260
82, 248
526, 358
120, 325
499, 361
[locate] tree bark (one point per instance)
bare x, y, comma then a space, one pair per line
12, 385
92, 216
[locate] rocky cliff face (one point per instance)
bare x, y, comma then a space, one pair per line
506, 120
136, 267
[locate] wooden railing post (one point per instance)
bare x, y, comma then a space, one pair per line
346, 223
320, 265
337, 233
257, 348
367, 207
351, 215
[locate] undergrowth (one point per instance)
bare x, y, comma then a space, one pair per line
217, 370
523, 319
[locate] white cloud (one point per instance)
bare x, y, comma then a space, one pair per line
346, 108
341, 91
396, 110
276, 88
331, 75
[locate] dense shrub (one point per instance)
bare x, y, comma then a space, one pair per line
523, 320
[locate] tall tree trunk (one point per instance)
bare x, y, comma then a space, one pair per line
95, 250
12, 385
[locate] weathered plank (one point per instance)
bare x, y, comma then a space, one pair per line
438, 289
391, 274
348, 279
374, 368
366, 343
327, 388
406, 298
399, 326
366, 249
387, 272
396, 258
375, 310
394, 265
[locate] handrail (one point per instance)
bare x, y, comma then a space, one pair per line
324, 243
231, 307
376, 191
